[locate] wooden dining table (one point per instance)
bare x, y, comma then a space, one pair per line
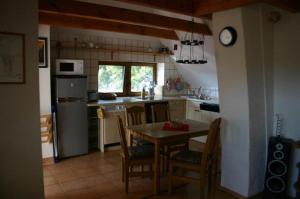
153, 132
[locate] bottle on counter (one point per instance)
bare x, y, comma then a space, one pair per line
151, 90
143, 93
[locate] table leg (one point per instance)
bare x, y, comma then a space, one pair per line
157, 169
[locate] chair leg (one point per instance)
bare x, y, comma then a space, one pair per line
123, 170
126, 177
168, 154
213, 182
202, 187
170, 178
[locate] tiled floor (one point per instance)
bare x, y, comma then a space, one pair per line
98, 176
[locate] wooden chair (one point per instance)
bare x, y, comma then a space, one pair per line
135, 115
133, 157
161, 113
201, 162
46, 128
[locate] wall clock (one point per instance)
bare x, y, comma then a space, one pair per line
228, 36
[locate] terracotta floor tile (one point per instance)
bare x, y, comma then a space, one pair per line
90, 171
98, 176
65, 176
54, 191
81, 183
49, 180
46, 171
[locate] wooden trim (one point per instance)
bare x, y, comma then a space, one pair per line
62, 20
121, 15
127, 75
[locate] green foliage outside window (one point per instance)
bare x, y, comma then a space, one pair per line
111, 78
140, 76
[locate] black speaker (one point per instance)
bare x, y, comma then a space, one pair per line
277, 168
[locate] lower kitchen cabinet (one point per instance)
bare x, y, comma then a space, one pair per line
194, 112
93, 128
109, 132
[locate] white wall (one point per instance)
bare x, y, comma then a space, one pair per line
20, 145
248, 91
258, 32
234, 103
45, 89
287, 80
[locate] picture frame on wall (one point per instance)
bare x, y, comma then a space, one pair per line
12, 58
43, 54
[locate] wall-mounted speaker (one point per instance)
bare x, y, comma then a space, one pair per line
277, 168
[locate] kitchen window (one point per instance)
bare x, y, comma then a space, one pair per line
125, 78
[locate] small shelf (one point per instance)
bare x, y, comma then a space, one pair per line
116, 50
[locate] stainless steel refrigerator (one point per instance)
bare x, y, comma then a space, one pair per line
72, 124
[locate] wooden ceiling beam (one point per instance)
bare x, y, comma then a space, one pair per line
289, 5
101, 12
61, 20
206, 7
185, 7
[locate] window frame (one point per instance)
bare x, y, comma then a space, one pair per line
127, 75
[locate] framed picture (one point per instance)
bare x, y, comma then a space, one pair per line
43, 55
12, 58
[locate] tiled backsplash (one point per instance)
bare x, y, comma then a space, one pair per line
92, 56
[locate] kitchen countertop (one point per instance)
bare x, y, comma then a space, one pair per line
212, 101
130, 100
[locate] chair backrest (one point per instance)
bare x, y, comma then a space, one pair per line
160, 112
135, 115
211, 145
122, 136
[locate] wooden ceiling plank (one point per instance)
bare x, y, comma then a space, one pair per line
289, 5
61, 20
96, 11
206, 7
185, 7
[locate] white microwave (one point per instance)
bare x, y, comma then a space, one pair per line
69, 67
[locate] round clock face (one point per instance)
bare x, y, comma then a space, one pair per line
228, 36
